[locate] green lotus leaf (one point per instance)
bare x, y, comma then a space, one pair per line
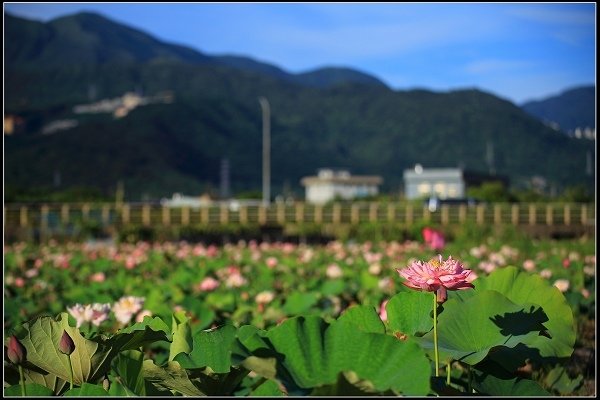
182, 335
35, 375
333, 287
469, 330
150, 330
128, 367
210, 348
298, 302
269, 388
522, 288
364, 318
41, 337
410, 312
87, 390
493, 385
172, 377
31, 389
313, 353
558, 379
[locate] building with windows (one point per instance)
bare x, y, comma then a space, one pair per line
443, 183
330, 184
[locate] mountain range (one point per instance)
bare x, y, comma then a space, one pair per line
572, 110
329, 117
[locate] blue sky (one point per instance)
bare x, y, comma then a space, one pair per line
518, 51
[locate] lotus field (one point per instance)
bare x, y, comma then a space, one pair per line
430, 316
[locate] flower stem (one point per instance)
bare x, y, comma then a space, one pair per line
469, 387
448, 372
70, 371
435, 341
23, 390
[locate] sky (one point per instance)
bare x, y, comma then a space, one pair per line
517, 51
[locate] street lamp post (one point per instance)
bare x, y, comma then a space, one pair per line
266, 157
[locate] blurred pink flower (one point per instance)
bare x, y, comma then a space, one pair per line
126, 307
264, 297
383, 311
19, 282
437, 275
31, 273
142, 314
235, 280
566, 263
562, 285
98, 277
271, 262
333, 271
208, 284
95, 313
433, 238
529, 265
546, 273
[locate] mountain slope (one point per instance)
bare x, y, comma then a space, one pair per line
159, 149
572, 109
91, 39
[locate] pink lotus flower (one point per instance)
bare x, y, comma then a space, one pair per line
434, 239
208, 284
383, 311
127, 307
437, 275
271, 262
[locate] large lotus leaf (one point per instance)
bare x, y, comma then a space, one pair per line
348, 384
31, 389
128, 367
211, 348
253, 351
410, 312
558, 379
267, 389
172, 377
41, 338
314, 353
34, 375
86, 390
494, 381
298, 302
523, 288
150, 330
468, 330
364, 318
182, 335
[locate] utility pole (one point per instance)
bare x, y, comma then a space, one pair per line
266, 158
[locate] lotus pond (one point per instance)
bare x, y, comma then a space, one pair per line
277, 319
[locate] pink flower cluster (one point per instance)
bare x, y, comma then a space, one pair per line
437, 275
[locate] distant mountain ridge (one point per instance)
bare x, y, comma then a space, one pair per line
90, 38
570, 110
334, 117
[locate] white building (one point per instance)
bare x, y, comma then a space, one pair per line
445, 183
329, 185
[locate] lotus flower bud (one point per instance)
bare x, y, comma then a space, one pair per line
66, 345
16, 351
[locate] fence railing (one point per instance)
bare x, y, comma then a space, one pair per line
48, 217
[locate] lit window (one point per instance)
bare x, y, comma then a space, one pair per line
440, 189
424, 188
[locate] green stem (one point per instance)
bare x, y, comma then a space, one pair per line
70, 371
23, 390
435, 341
469, 388
448, 371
